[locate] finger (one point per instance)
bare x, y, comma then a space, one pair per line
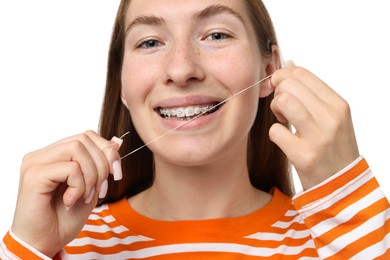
104, 153
69, 173
72, 151
91, 143
315, 84
113, 157
287, 108
103, 158
111, 151
64, 140
302, 92
321, 110
285, 140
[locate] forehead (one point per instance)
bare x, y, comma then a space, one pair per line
180, 9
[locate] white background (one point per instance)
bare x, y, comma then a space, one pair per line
53, 64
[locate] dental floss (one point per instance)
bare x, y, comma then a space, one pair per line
117, 140
128, 132
197, 116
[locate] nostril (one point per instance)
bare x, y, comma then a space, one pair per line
182, 70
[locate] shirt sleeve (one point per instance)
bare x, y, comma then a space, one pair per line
12, 248
348, 215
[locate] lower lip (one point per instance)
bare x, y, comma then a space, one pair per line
198, 123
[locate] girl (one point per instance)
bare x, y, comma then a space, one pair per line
217, 186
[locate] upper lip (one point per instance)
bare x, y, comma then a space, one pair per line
195, 100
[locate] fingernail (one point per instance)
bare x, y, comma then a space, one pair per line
270, 85
103, 189
117, 171
289, 63
117, 140
67, 208
90, 196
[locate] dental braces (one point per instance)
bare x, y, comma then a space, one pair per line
196, 117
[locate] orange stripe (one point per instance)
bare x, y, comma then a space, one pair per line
355, 222
147, 244
120, 248
343, 203
334, 184
15, 246
385, 256
105, 235
363, 243
290, 242
205, 255
98, 223
103, 213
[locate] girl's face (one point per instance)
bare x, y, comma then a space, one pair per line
181, 57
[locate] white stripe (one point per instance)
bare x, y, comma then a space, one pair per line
200, 247
291, 233
100, 209
30, 248
375, 250
334, 176
108, 242
291, 213
282, 224
362, 230
3, 249
106, 219
346, 214
337, 195
104, 228
6, 254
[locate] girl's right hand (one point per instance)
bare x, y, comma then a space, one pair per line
59, 186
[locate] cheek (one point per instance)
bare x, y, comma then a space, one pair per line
238, 69
136, 82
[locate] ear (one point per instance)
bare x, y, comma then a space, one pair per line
123, 99
272, 65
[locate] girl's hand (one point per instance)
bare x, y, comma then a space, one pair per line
324, 142
59, 186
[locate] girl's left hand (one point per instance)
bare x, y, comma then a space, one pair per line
324, 142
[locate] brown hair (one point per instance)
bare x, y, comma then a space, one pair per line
267, 165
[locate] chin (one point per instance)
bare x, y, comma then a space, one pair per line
193, 155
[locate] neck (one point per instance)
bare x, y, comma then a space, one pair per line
218, 190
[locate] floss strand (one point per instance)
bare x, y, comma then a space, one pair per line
197, 116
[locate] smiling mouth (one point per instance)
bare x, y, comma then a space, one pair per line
188, 113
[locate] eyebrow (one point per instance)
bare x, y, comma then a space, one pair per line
215, 10
209, 11
145, 19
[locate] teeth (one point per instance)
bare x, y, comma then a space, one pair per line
182, 112
190, 111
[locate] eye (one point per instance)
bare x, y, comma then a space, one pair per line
151, 43
218, 36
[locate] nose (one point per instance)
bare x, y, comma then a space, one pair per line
183, 65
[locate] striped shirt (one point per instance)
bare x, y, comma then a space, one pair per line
346, 217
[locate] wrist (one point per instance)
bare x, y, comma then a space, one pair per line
23, 244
